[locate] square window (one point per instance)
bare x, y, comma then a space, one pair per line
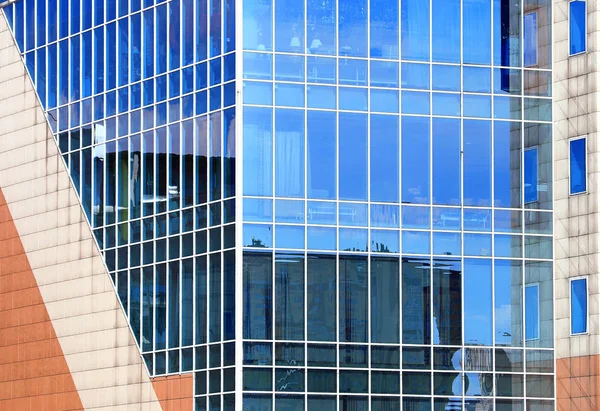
579, 306
577, 27
577, 166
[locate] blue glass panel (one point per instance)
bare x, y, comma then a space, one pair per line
355, 99
477, 31
321, 97
174, 35
384, 215
353, 214
258, 143
289, 153
148, 43
508, 246
321, 152
321, 238
445, 78
477, 178
478, 302
352, 239
385, 241
353, 297
291, 95
507, 33
86, 64
477, 106
384, 158
416, 242
507, 108
63, 64
477, 79
353, 72
384, 20
416, 303
29, 22
321, 70
161, 40
508, 310
352, 25
579, 307
40, 24
446, 243
353, 156
447, 313
383, 74
446, 161
258, 210
415, 102
321, 298
530, 168
40, 82
530, 39
19, 27
258, 93
289, 211
289, 67
445, 218
577, 166
258, 295
416, 217
201, 30
446, 104
289, 236
289, 26
415, 160
63, 17
415, 30
446, 31
507, 81
507, 169
478, 245
415, 76
532, 312
577, 27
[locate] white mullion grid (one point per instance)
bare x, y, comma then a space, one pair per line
400, 288
461, 202
337, 207
368, 256
305, 211
430, 202
522, 205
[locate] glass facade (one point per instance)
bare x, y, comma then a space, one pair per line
394, 184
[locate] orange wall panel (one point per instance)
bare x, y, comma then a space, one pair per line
33, 371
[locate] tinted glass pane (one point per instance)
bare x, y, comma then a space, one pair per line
415, 160
577, 27
289, 297
415, 301
577, 166
447, 311
353, 299
532, 312
321, 298
578, 306
258, 299
385, 307
530, 167
478, 302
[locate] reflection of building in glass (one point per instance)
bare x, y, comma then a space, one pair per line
315, 204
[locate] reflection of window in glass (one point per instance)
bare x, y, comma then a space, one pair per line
530, 39
577, 27
532, 312
531, 174
579, 305
577, 166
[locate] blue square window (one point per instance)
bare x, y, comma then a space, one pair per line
579, 307
531, 175
577, 166
577, 27
532, 312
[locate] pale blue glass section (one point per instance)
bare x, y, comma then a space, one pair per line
415, 36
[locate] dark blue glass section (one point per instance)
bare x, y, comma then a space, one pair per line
161, 39
63, 64
321, 298
579, 306
40, 81
258, 295
174, 34
40, 24
384, 158
20, 27
111, 56
507, 168
577, 166
289, 296
416, 305
415, 160
353, 299
385, 304
577, 27
63, 17
530, 168
75, 13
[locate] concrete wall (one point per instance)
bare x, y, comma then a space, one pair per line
575, 88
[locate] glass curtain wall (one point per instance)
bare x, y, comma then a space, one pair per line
397, 208
140, 96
